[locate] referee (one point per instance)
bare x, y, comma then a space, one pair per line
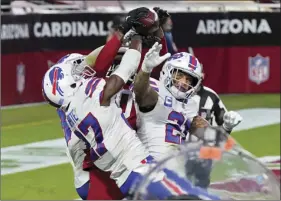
213, 110
211, 107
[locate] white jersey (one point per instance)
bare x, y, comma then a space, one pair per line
76, 155
115, 147
160, 129
75, 152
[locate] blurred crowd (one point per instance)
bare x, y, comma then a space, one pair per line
5, 4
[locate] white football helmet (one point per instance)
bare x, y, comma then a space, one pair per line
62, 80
186, 63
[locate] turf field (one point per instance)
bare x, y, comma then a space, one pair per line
25, 125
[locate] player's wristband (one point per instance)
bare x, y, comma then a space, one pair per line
145, 69
226, 128
129, 64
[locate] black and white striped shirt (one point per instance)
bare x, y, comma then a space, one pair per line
210, 106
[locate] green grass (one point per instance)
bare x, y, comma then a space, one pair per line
52, 183
236, 102
27, 115
29, 124
30, 132
260, 141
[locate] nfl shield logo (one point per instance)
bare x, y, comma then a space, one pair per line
20, 77
258, 69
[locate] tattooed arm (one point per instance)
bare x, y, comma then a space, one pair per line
146, 97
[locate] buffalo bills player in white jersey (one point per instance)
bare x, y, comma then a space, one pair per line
92, 114
165, 110
76, 149
84, 169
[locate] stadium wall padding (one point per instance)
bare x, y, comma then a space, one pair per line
240, 51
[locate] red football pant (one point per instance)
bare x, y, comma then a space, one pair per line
102, 187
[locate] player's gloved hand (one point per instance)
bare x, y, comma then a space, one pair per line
134, 16
231, 119
162, 14
131, 20
153, 59
128, 35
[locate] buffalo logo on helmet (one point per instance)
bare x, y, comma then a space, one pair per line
55, 75
192, 62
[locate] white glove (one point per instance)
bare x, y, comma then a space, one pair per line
230, 120
153, 59
129, 35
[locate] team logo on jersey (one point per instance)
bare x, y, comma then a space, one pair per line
168, 101
259, 69
20, 77
55, 75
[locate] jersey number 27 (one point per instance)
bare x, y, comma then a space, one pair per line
91, 122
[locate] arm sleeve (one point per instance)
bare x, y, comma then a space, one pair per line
106, 56
219, 110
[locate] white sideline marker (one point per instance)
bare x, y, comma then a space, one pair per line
22, 105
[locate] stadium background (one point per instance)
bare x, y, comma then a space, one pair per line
237, 42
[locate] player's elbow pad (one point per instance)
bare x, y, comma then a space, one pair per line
128, 65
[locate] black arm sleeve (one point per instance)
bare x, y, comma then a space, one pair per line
219, 110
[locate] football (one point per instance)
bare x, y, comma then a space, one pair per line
151, 23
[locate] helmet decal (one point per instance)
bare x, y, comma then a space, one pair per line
55, 75
192, 62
